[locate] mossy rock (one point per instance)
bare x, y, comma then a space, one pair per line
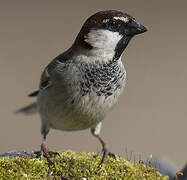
75, 165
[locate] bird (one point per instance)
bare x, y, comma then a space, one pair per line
80, 86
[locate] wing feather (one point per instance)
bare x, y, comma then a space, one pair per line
46, 80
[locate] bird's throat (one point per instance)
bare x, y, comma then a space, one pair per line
120, 47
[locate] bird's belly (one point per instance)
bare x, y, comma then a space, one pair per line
80, 112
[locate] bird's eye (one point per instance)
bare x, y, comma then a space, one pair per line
114, 24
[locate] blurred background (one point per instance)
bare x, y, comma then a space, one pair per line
151, 117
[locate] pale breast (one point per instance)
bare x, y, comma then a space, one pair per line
83, 101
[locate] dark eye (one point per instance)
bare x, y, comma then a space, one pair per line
114, 24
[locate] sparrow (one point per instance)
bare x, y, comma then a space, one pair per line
80, 86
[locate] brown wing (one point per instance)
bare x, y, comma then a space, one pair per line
45, 78
46, 81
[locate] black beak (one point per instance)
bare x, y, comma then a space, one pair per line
135, 28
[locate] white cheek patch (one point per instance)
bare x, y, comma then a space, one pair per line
124, 19
102, 38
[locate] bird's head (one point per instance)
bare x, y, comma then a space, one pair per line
109, 30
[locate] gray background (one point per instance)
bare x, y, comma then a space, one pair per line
151, 115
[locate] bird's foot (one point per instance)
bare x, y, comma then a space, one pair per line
48, 154
38, 154
53, 153
105, 153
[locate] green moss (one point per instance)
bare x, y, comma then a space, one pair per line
73, 165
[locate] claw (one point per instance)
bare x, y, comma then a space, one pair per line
105, 154
112, 155
47, 156
52, 153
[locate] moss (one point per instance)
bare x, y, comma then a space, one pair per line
73, 165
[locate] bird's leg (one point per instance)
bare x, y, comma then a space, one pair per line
104, 149
46, 153
95, 132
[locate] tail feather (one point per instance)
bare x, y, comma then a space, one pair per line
33, 94
28, 110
